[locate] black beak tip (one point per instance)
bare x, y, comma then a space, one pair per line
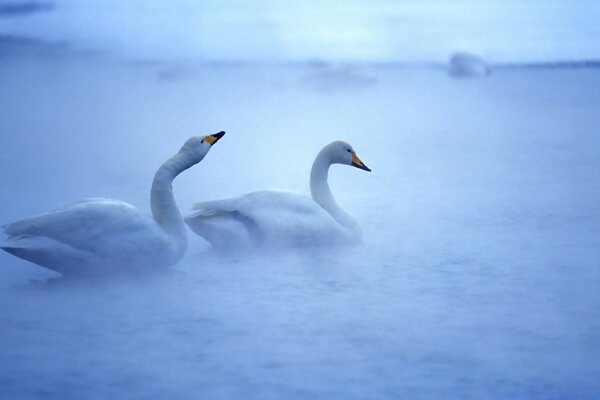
218, 136
362, 166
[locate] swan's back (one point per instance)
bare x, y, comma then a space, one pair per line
81, 224
264, 218
89, 231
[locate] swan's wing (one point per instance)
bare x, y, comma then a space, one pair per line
81, 224
250, 203
267, 215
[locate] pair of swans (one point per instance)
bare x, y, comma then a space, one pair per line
96, 236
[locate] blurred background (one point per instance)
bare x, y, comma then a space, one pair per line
381, 31
478, 274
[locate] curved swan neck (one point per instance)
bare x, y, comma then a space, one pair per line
162, 202
319, 173
320, 192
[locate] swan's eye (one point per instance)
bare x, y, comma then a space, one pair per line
202, 141
349, 151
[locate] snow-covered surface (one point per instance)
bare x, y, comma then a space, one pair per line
478, 277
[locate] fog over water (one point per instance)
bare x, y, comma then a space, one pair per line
269, 31
478, 273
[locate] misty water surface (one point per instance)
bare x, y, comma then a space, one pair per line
478, 273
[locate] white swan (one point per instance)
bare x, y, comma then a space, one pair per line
278, 218
93, 236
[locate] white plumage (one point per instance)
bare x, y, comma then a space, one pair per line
95, 236
277, 218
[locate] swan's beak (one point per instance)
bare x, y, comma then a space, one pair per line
359, 164
212, 139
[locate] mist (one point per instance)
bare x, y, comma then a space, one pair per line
477, 275
402, 31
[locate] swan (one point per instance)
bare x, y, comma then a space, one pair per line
96, 236
278, 218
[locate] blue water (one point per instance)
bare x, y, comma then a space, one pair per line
478, 276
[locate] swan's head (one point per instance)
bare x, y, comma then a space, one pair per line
342, 153
199, 146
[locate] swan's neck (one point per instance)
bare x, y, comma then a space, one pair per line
321, 194
164, 209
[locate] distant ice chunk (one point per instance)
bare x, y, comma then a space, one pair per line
463, 64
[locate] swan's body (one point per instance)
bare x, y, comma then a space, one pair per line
278, 218
274, 217
95, 236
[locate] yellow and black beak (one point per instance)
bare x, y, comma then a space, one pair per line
359, 164
212, 139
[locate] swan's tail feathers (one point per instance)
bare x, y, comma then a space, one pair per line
37, 256
44, 251
209, 208
16, 247
19, 229
201, 212
15, 251
222, 229
5, 229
